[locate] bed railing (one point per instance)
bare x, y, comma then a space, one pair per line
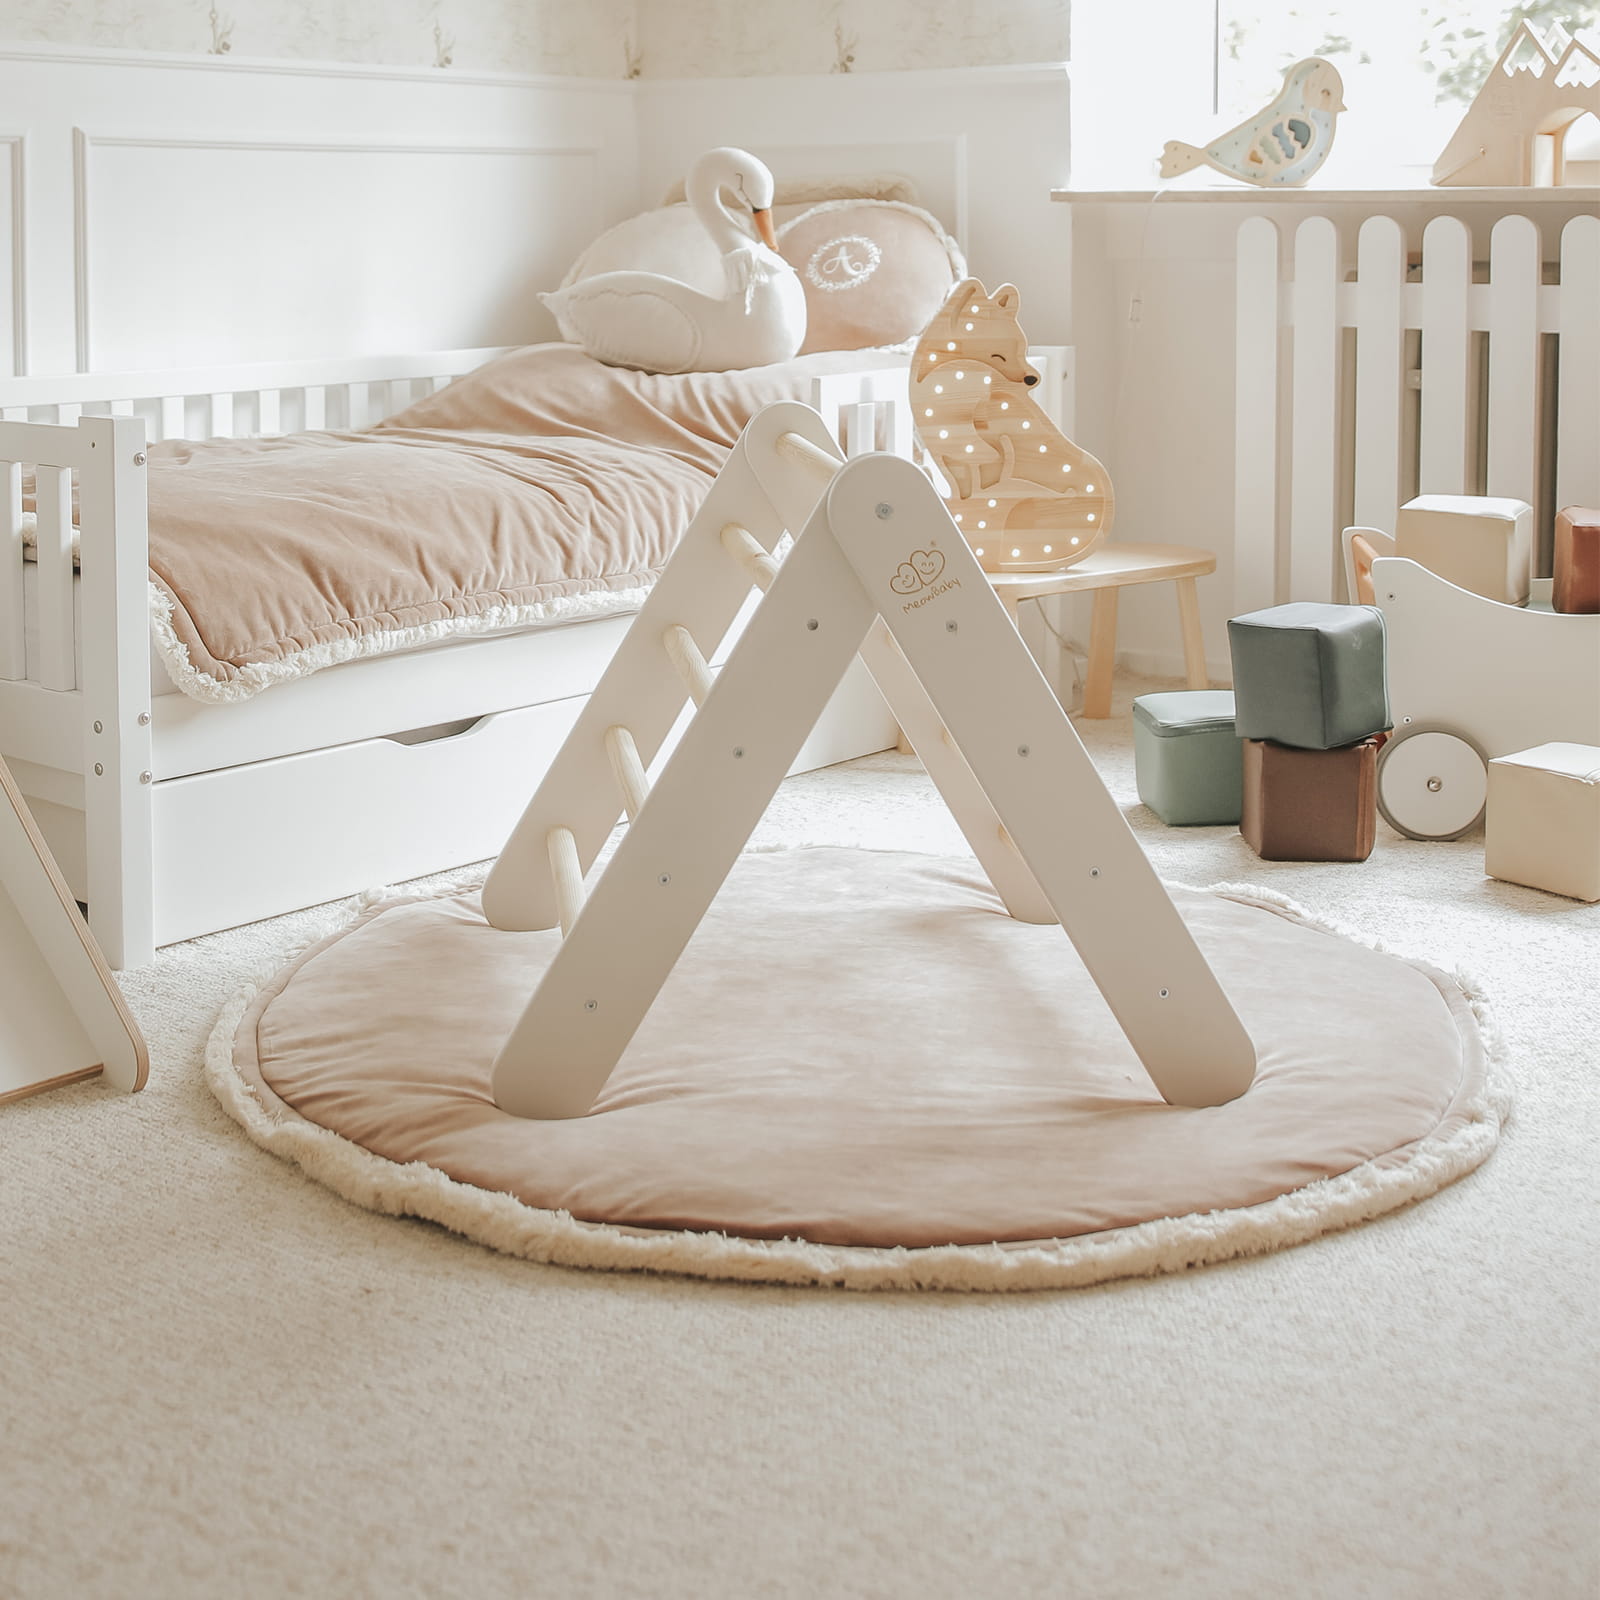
76, 714
76, 709
230, 402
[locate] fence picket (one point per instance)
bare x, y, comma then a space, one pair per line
1514, 358
1314, 413
1578, 397
1379, 322
1255, 407
1443, 430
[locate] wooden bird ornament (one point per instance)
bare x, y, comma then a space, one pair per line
1284, 143
1025, 496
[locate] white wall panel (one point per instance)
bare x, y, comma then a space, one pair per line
284, 250
190, 211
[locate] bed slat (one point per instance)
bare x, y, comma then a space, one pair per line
13, 654
173, 418
57, 664
269, 413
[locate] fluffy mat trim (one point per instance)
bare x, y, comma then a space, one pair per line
1147, 1249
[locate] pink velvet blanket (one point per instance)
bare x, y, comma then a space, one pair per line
541, 487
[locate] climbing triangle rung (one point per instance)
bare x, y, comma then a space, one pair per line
685, 656
746, 549
628, 768
567, 871
802, 450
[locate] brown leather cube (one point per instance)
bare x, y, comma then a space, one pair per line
1310, 805
1577, 560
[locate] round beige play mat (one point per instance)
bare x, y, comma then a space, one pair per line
863, 1073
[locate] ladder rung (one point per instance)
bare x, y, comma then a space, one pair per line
747, 550
798, 448
628, 768
568, 875
691, 665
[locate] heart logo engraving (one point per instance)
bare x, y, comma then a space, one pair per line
906, 580
917, 573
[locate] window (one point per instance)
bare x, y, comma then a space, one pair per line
1410, 67
1186, 69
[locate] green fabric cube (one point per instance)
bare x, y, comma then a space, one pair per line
1187, 759
1310, 675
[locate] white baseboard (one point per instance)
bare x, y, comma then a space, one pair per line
1161, 664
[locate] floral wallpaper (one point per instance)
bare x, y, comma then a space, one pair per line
740, 38
581, 38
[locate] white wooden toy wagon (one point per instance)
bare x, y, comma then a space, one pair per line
1469, 679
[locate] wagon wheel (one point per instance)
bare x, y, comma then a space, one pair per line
1432, 783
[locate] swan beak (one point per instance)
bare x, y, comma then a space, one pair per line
762, 218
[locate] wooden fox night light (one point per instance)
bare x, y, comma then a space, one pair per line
1025, 496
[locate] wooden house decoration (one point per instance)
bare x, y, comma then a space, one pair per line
1514, 132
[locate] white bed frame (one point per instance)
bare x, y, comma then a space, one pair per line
172, 818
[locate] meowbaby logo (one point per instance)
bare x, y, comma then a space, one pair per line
921, 571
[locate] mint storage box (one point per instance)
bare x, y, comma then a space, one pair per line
1186, 757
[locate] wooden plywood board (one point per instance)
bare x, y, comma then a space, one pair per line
62, 1017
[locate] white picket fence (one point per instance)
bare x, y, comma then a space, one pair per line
1450, 385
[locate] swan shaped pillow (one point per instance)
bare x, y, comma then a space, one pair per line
752, 314
873, 270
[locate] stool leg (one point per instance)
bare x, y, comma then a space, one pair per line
1194, 648
1102, 654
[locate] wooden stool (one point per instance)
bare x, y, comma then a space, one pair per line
1105, 571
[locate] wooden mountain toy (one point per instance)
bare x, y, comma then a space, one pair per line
61, 1015
1284, 143
1026, 497
1514, 133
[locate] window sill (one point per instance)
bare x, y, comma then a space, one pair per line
1415, 194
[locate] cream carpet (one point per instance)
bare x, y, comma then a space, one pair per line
218, 1379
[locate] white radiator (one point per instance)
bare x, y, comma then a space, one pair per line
1359, 386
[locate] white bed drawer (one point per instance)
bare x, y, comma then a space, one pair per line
248, 842
253, 841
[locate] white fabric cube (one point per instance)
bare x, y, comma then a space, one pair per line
1477, 542
1543, 821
